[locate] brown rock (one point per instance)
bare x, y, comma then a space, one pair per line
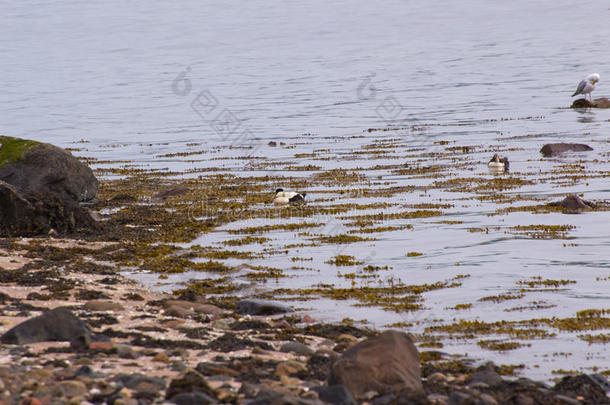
283, 324
190, 381
173, 323
190, 308
308, 319
179, 312
555, 149
161, 357
289, 367
601, 102
385, 363
171, 192
70, 389
30, 401
101, 346
101, 305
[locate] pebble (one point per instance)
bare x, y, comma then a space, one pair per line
161, 357
102, 305
70, 389
486, 399
296, 347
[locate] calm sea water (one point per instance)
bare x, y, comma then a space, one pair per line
127, 73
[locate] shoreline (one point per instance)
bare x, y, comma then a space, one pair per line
143, 340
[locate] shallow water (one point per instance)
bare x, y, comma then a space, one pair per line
137, 80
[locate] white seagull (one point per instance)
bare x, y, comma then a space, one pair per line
587, 86
285, 197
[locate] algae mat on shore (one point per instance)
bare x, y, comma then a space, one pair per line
422, 238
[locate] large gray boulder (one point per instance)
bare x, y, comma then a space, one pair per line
40, 168
41, 188
385, 363
57, 325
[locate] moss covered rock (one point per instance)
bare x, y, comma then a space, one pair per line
41, 168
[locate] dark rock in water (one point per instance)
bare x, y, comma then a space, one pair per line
22, 215
573, 204
190, 381
384, 363
261, 307
192, 398
57, 325
40, 168
335, 394
296, 347
554, 149
487, 375
592, 387
602, 102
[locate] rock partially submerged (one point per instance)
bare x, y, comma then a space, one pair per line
261, 307
555, 149
41, 188
573, 204
602, 102
385, 363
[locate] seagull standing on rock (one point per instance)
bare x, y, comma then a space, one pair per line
587, 86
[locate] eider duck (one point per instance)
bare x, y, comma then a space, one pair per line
286, 197
498, 164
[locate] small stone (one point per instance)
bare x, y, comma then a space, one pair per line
173, 323
102, 305
192, 398
437, 378
190, 381
335, 394
70, 389
567, 400
161, 357
289, 367
283, 324
179, 312
459, 398
126, 352
486, 399
101, 346
308, 319
261, 307
438, 399
486, 375
347, 338
522, 399
296, 347
30, 401
289, 382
